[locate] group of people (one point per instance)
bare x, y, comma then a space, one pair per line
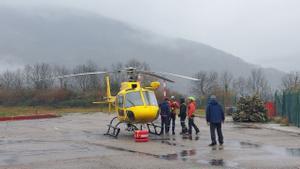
168, 115
214, 117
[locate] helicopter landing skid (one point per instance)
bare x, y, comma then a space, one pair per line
113, 130
152, 128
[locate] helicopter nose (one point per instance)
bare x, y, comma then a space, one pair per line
143, 114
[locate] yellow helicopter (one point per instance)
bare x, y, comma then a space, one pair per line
134, 104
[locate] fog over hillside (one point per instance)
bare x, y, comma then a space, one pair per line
71, 37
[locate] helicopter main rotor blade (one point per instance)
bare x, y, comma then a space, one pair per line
180, 76
156, 75
79, 74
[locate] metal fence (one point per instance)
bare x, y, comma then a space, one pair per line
288, 105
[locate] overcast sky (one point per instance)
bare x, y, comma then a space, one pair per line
264, 32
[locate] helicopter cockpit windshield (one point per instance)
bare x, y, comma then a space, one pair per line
135, 99
150, 98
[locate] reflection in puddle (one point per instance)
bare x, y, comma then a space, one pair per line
214, 148
249, 145
168, 143
293, 152
217, 162
179, 156
189, 137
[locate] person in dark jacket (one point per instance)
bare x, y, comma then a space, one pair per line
182, 115
215, 117
165, 114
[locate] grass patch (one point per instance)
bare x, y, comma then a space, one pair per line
283, 121
32, 110
200, 112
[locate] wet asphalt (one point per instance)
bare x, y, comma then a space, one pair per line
76, 141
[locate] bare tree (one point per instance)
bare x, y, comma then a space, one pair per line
226, 80
291, 81
39, 76
18, 80
60, 71
6, 79
87, 82
240, 86
117, 77
258, 84
207, 84
256, 81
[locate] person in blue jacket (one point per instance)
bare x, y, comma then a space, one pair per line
165, 115
215, 117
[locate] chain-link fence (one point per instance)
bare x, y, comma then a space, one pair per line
288, 105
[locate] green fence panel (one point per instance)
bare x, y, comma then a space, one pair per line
288, 105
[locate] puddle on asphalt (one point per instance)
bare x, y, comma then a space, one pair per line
247, 127
168, 143
217, 162
172, 141
293, 152
188, 137
249, 145
179, 156
215, 148
183, 155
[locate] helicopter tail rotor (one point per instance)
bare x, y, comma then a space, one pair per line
109, 99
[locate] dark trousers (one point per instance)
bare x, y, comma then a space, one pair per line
165, 124
213, 127
192, 125
183, 126
172, 121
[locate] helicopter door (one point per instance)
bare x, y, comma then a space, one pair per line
121, 105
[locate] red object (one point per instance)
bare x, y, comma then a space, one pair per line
165, 88
191, 108
141, 136
270, 106
30, 117
142, 140
173, 105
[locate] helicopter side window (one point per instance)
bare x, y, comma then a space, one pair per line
150, 98
120, 101
133, 99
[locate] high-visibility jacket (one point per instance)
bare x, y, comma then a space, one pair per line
191, 109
